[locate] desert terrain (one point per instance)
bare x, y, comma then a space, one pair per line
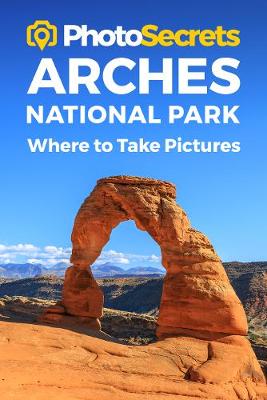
124, 360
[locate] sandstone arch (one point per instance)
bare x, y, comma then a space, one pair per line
197, 297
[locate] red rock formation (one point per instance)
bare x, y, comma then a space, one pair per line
197, 300
197, 295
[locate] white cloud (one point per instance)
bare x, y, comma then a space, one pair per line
154, 258
115, 257
34, 261
50, 255
21, 253
5, 258
144, 258
112, 256
19, 247
51, 249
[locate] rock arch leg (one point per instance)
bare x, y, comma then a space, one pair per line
82, 297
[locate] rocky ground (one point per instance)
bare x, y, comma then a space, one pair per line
132, 303
127, 327
42, 362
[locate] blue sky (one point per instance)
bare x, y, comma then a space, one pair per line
224, 195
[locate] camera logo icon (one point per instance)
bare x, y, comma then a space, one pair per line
41, 33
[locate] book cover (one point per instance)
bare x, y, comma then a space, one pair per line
133, 222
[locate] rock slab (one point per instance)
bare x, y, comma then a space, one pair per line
41, 362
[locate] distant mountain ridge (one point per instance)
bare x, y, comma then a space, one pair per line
110, 270
30, 270
19, 271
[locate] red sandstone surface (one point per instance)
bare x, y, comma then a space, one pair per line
40, 363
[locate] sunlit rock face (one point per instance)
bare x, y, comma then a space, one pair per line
197, 297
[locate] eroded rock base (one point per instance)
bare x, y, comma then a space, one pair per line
56, 315
47, 362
